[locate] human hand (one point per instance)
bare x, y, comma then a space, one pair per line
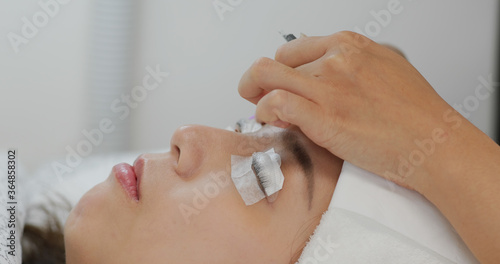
360, 100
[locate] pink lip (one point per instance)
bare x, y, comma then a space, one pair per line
138, 169
126, 176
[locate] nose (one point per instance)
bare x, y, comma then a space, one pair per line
190, 144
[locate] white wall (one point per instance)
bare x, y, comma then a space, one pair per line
42, 86
43, 105
451, 42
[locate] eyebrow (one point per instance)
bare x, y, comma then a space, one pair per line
292, 144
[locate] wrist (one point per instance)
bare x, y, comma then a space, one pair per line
462, 181
465, 152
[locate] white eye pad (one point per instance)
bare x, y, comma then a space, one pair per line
251, 188
247, 125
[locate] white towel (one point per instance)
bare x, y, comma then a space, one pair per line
372, 220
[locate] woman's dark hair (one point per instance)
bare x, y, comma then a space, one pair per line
44, 244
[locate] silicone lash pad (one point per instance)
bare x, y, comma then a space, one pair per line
246, 181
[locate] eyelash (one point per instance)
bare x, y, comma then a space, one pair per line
259, 171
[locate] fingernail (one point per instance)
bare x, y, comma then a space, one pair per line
302, 35
279, 123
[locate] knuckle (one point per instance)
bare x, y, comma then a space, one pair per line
341, 37
281, 52
332, 62
347, 35
361, 41
260, 67
277, 98
346, 57
262, 63
351, 38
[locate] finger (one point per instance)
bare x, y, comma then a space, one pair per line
309, 69
395, 49
266, 75
309, 49
302, 50
280, 108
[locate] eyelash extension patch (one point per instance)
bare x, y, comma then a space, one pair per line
266, 167
258, 176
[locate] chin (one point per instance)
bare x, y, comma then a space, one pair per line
89, 201
85, 212
80, 229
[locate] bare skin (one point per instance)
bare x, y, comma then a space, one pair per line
367, 105
168, 224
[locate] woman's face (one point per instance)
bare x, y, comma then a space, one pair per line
189, 211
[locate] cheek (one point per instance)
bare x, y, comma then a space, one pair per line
189, 201
203, 216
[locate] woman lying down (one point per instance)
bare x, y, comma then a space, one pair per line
217, 197
248, 194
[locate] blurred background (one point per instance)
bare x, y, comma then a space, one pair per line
80, 78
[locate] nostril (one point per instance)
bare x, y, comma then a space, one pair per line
178, 152
185, 145
175, 151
